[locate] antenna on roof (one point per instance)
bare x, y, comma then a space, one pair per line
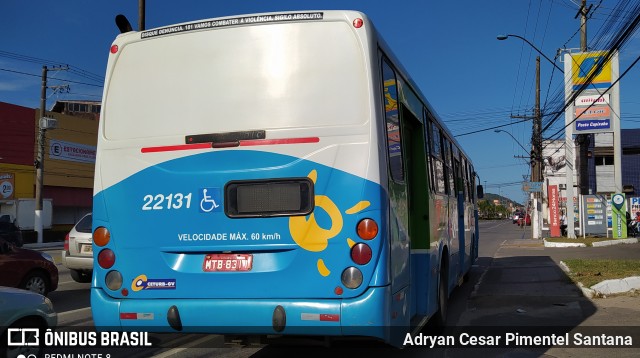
123, 24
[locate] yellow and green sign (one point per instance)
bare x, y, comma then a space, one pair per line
587, 64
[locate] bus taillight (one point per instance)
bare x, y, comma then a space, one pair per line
106, 258
101, 236
113, 280
352, 277
367, 229
357, 23
114, 48
361, 254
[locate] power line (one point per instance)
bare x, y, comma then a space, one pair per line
53, 79
31, 59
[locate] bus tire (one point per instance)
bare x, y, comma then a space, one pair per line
443, 299
467, 274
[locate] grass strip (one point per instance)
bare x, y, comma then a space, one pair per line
590, 272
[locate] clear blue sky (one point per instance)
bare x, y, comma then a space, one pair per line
473, 80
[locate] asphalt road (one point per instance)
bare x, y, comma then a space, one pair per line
516, 284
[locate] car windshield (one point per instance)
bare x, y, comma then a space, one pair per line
84, 225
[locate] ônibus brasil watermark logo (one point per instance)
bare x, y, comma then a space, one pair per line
23, 337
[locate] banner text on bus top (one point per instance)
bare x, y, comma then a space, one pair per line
232, 22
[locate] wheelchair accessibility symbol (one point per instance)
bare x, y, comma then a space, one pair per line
210, 200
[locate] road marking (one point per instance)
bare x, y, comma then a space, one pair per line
73, 311
186, 346
65, 282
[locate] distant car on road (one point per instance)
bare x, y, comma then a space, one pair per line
77, 255
524, 220
515, 217
23, 309
27, 269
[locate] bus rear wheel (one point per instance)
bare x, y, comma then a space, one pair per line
443, 299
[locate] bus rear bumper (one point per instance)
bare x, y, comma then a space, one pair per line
366, 315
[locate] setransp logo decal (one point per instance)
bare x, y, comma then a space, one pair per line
143, 283
210, 200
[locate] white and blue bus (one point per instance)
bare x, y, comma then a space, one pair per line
275, 173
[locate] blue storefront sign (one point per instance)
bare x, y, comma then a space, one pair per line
593, 124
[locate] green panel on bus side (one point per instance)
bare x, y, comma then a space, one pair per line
417, 179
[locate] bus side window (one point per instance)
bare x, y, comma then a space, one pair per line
446, 156
430, 160
469, 181
392, 120
438, 166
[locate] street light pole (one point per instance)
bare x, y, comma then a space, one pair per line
514, 138
504, 37
536, 136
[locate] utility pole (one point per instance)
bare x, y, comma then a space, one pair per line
583, 140
44, 123
40, 158
141, 15
536, 140
537, 154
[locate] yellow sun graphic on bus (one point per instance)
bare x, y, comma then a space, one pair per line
310, 236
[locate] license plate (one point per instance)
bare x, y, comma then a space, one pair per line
227, 262
86, 249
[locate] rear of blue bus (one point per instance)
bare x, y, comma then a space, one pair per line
237, 185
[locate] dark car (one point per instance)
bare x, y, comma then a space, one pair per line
516, 216
27, 269
10, 233
524, 220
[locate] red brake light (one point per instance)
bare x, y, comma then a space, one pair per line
357, 23
106, 258
361, 254
66, 242
114, 48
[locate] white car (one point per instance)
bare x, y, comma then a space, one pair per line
77, 255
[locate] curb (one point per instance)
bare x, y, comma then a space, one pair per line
595, 244
607, 287
563, 244
614, 242
43, 246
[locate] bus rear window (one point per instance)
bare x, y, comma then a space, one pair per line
272, 76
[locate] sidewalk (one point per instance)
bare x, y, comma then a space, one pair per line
522, 288
621, 249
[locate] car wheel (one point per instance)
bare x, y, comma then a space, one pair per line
80, 276
36, 282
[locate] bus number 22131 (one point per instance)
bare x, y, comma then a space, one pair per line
171, 201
